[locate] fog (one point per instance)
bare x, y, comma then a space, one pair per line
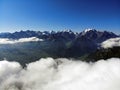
12, 41
111, 43
61, 74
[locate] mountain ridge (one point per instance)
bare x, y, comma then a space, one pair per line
89, 33
61, 44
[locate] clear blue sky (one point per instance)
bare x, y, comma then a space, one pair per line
42, 15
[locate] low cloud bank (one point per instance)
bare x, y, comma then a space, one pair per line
61, 74
111, 43
12, 41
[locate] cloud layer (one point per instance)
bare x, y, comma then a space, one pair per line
61, 74
12, 41
111, 43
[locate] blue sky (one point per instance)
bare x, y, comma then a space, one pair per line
16, 15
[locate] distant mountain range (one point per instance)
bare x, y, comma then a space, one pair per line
54, 44
92, 34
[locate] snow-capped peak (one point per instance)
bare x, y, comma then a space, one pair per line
89, 29
67, 30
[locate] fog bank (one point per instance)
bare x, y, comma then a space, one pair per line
12, 41
61, 74
111, 43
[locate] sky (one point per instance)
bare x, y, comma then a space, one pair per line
45, 15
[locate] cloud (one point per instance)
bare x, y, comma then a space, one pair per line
111, 43
12, 41
61, 74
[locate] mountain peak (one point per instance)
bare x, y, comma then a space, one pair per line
97, 36
88, 30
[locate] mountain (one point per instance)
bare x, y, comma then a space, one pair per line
97, 36
54, 44
88, 41
80, 46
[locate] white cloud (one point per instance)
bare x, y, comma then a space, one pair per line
111, 43
12, 41
61, 74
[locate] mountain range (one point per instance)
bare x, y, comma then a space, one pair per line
56, 44
97, 36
